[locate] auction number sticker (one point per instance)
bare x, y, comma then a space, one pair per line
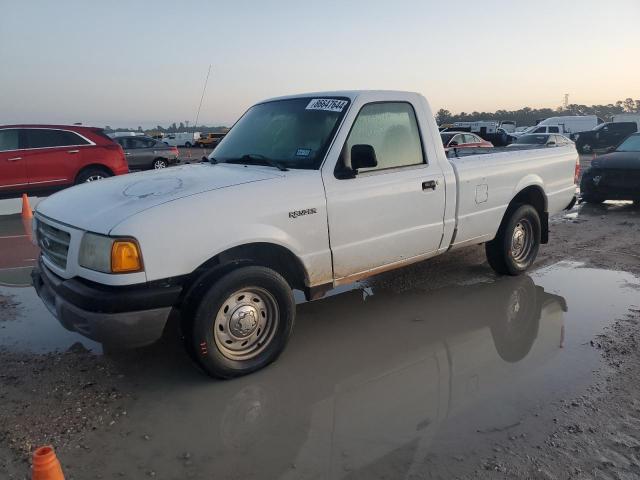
328, 104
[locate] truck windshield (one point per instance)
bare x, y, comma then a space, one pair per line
631, 144
293, 133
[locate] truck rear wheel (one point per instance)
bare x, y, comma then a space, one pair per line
516, 245
243, 322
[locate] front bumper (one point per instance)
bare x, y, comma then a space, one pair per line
126, 317
616, 185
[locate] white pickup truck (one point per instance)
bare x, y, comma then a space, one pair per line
305, 192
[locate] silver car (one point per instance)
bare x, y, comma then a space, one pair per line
145, 153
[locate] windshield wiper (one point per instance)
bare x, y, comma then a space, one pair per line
256, 157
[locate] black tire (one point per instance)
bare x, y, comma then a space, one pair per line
159, 163
586, 148
92, 174
221, 315
593, 199
500, 251
188, 144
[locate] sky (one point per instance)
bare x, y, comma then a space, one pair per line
130, 63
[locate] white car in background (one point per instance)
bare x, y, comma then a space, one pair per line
184, 139
569, 126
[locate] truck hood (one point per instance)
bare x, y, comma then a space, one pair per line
100, 206
617, 160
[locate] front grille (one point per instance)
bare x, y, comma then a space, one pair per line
54, 243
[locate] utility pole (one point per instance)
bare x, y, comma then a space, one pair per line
195, 125
565, 102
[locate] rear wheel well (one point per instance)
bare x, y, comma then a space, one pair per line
534, 196
267, 255
96, 166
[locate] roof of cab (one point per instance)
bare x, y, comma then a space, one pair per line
350, 94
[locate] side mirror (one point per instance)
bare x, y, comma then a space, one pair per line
363, 156
611, 149
204, 159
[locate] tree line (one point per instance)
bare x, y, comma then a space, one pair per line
529, 116
173, 128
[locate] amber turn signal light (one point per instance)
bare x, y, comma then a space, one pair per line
125, 257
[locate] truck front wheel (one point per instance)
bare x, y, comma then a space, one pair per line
243, 322
516, 245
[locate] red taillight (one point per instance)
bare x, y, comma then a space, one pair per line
174, 149
576, 174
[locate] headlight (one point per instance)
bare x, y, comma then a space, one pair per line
109, 255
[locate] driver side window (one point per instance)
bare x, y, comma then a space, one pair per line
392, 130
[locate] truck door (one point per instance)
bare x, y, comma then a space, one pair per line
389, 213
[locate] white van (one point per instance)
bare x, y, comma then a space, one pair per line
568, 125
181, 139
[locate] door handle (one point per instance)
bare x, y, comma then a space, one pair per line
429, 185
14, 159
73, 151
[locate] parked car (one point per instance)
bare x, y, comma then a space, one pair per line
44, 158
541, 140
463, 140
605, 135
144, 153
568, 125
343, 186
615, 175
209, 139
184, 139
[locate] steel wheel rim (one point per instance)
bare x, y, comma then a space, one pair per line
94, 178
158, 164
522, 242
246, 323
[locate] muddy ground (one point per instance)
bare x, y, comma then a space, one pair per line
84, 403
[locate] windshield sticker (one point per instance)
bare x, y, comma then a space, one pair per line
303, 152
328, 104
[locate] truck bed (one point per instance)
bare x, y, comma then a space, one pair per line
488, 179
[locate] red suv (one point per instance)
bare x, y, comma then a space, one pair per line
44, 158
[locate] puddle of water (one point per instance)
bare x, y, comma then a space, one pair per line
372, 376
26, 324
380, 381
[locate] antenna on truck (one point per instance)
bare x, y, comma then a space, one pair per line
195, 125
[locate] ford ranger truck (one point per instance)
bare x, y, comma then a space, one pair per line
305, 192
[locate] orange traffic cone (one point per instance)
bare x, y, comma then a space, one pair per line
46, 465
26, 208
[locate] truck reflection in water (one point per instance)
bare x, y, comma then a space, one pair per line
367, 383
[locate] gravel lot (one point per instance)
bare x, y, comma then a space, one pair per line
434, 371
